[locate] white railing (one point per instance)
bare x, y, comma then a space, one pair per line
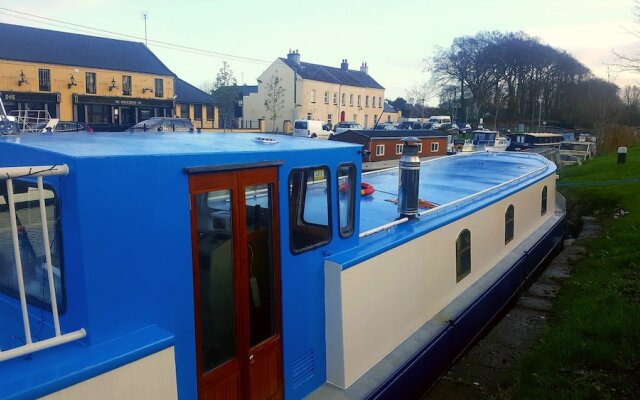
457, 203
8, 174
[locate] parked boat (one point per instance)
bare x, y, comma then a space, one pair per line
191, 266
485, 140
528, 141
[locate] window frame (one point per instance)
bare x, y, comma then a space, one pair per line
351, 100
378, 147
509, 224
335, 98
373, 101
197, 112
419, 147
366, 101
344, 99
159, 87
435, 147
127, 85
297, 209
399, 147
351, 205
57, 238
44, 79
326, 97
359, 100
379, 101
461, 271
210, 110
313, 96
90, 82
544, 201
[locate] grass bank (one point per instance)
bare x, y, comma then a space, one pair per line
591, 347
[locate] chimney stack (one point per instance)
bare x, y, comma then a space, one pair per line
409, 179
344, 65
294, 56
364, 68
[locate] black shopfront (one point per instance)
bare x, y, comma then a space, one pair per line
117, 113
26, 103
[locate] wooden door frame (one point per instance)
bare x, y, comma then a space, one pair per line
236, 181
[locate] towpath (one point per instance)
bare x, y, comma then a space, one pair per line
488, 369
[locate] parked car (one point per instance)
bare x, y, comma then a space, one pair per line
386, 126
63, 126
345, 126
410, 125
163, 124
311, 129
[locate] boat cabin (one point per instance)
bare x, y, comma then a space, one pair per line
235, 266
527, 141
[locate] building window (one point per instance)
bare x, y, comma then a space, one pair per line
379, 150
335, 98
399, 148
420, 147
159, 87
435, 146
326, 97
210, 113
373, 101
98, 114
344, 96
508, 224
309, 115
366, 101
90, 78
543, 206
380, 102
330, 120
351, 100
44, 80
313, 95
197, 112
309, 220
463, 255
346, 199
31, 246
126, 85
359, 100
355, 117
366, 122
184, 111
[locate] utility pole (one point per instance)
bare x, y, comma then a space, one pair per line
539, 112
145, 16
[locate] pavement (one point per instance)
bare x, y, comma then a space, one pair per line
486, 371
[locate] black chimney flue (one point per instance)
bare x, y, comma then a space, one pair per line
409, 178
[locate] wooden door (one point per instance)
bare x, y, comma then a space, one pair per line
236, 269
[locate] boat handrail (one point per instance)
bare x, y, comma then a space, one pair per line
8, 174
456, 203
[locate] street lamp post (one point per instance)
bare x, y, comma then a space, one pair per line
539, 111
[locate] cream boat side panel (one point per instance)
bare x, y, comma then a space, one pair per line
385, 299
152, 377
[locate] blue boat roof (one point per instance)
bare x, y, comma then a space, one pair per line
83, 145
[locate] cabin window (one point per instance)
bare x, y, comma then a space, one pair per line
126, 85
463, 255
399, 148
309, 214
159, 87
90, 78
435, 146
508, 224
543, 206
30, 241
346, 199
419, 147
379, 149
44, 80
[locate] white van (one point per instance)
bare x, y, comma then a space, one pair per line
440, 121
311, 128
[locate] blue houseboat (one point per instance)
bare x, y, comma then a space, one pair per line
230, 266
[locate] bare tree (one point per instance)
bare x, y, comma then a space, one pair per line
631, 62
274, 101
225, 94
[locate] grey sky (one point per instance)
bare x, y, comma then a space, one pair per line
393, 37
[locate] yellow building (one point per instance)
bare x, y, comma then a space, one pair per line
313, 91
109, 84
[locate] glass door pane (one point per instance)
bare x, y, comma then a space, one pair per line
262, 318
215, 254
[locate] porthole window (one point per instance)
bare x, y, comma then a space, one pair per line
508, 224
463, 255
309, 217
543, 206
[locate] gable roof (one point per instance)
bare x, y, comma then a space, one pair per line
23, 43
187, 93
323, 73
388, 108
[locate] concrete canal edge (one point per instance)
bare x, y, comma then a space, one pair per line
487, 370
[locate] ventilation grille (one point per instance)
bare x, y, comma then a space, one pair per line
303, 368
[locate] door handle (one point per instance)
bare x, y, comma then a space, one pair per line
251, 359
